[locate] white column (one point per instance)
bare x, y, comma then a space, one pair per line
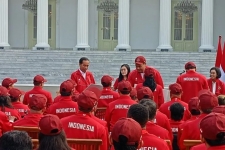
42, 25
165, 26
4, 43
207, 26
82, 26
124, 26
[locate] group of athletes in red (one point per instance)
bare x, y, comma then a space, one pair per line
136, 117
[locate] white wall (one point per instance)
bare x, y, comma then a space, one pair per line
144, 24
66, 21
17, 24
219, 21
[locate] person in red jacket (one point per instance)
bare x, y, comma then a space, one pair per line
140, 113
126, 135
118, 108
157, 90
191, 82
51, 134
212, 128
160, 118
124, 73
151, 127
176, 113
5, 123
38, 82
6, 105
108, 95
175, 95
81, 125
8, 83
216, 86
65, 107
74, 95
37, 105
82, 77
191, 130
15, 96
137, 76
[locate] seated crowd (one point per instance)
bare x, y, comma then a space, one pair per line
132, 114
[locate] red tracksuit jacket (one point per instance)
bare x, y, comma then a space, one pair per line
82, 83
11, 112
65, 107
164, 108
5, 125
135, 78
82, 126
37, 90
22, 109
30, 120
108, 95
152, 142
191, 83
118, 109
220, 87
191, 131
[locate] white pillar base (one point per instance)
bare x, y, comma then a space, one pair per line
42, 46
207, 48
164, 48
4, 46
123, 47
82, 48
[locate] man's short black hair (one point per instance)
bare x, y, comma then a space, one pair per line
221, 99
15, 140
83, 59
106, 84
62, 93
176, 111
150, 105
122, 144
218, 72
218, 142
139, 113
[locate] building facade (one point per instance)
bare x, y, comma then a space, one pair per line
139, 25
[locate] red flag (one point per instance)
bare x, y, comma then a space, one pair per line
223, 59
219, 54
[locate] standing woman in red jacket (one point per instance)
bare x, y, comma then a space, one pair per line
124, 72
216, 86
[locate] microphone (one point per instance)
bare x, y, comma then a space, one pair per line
182, 72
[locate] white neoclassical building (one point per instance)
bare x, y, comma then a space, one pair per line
138, 25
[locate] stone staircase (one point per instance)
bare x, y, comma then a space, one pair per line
56, 66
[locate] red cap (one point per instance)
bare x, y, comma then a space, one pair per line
97, 89
39, 78
140, 60
66, 86
50, 125
124, 86
128, 128
175, 88
87, 100
8, 81
207, 100
37, 102
193, 104
133, 92
73, 82
3, 91
219, 109
211, 125
149, 72
106, 79
16, 93
143, 92
189, 65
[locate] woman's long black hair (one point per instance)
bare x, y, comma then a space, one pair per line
128, 71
